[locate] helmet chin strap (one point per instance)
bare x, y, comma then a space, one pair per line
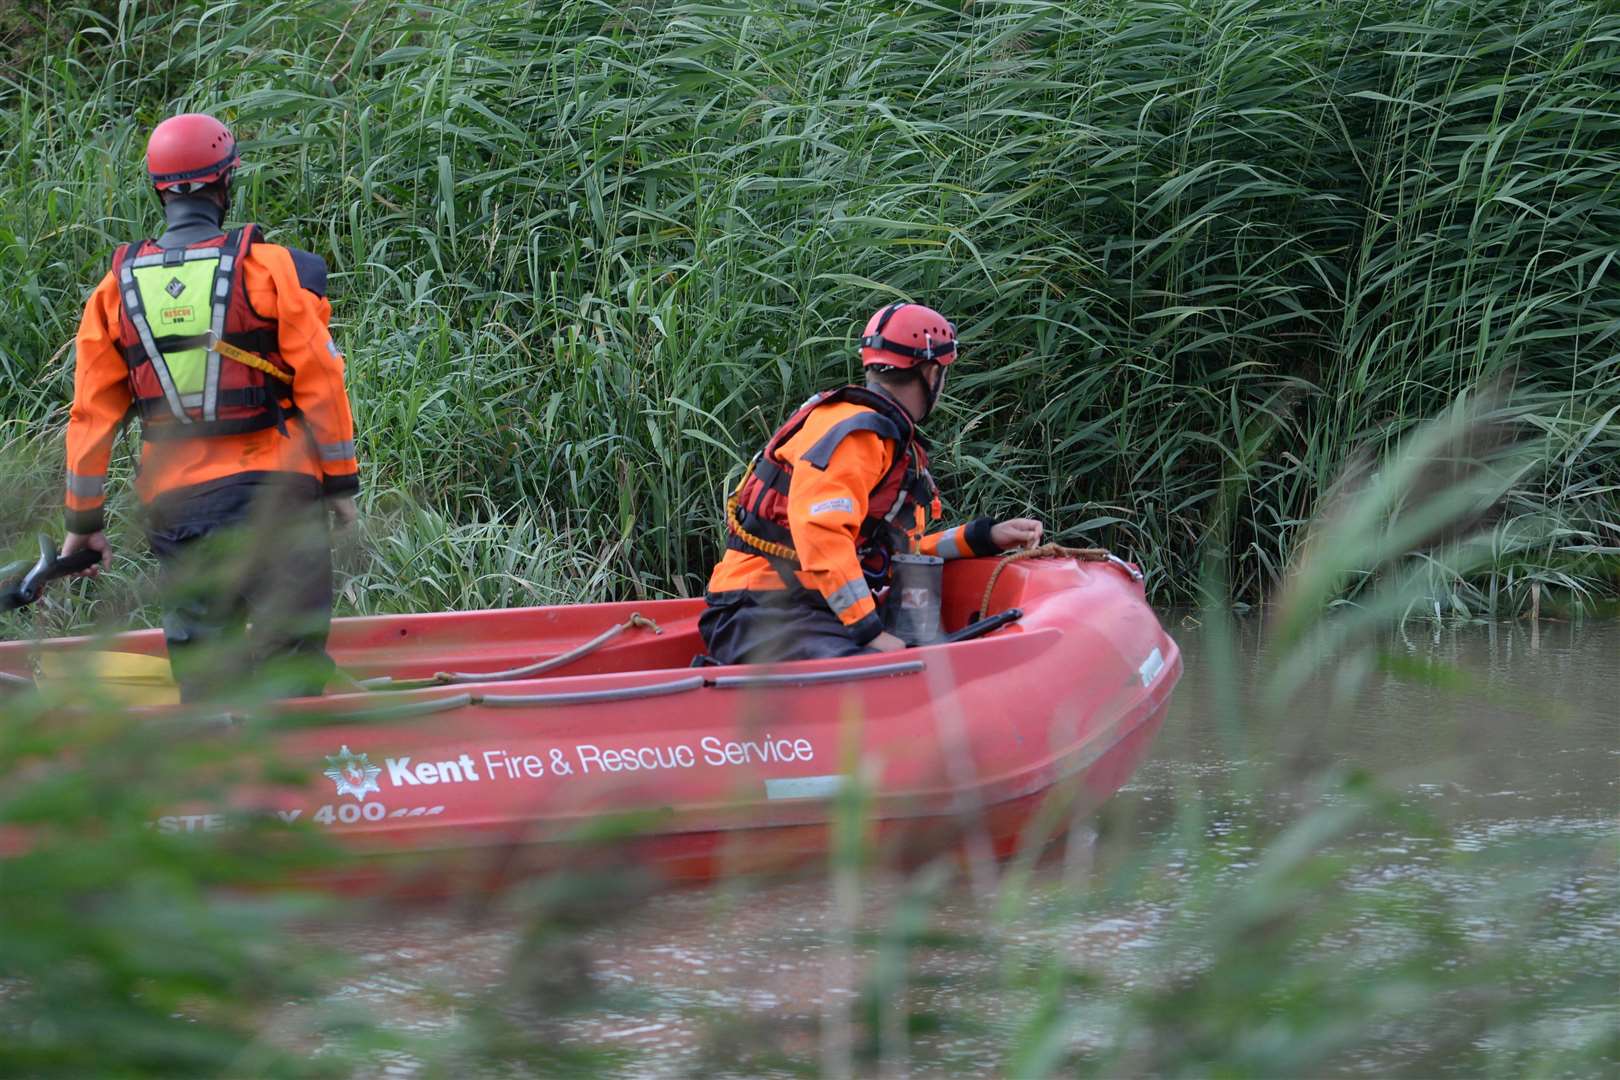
934, 392
930, 391
938, 385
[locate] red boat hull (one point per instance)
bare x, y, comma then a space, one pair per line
701, 773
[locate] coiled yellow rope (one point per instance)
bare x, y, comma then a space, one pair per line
734, 523
1044, 551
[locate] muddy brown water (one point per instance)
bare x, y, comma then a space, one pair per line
1527, 751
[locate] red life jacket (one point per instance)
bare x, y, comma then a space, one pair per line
182, 386
762, 500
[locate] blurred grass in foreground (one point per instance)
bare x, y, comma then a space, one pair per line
124, 952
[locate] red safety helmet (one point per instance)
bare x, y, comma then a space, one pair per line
904, 335
190, 150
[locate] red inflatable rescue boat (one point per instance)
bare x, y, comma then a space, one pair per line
719, 768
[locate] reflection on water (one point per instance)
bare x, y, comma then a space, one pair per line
1527, 755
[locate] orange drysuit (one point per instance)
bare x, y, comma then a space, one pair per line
283, 285
826, 509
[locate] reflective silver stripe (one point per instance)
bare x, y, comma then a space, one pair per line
222, 302
223, 280
191, 401
85, 487
948, 547
337, 451
847, 596
192, 254
137, 315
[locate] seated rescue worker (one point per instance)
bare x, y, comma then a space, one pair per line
219, 343
839, 488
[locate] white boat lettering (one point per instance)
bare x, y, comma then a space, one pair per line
503, 766
349, 813
173, 824
401, 773
767, 752
633, 758
709, 751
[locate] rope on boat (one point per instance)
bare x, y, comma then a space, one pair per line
636, 621
1052, 551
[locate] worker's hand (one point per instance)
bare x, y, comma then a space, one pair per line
344, 512
886, 642
1016, 533
96, 541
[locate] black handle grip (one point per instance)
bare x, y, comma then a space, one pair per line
49, 568
984, 626
72, 564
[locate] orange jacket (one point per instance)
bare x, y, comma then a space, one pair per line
281, 284
826, 508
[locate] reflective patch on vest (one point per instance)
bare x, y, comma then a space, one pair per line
175, 287
832, 506
331, 348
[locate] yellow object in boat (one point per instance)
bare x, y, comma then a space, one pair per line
129, 678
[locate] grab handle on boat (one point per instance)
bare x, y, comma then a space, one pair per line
1130, 568
588, 697
408, 711
814, 678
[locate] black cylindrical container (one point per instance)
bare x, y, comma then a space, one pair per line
911, 612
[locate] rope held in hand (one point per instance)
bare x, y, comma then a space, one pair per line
1044, 551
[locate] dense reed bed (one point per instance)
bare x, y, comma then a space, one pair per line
1205, 255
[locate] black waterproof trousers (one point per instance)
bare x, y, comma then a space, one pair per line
765, 627
252, 547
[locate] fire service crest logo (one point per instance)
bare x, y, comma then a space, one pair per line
354, 774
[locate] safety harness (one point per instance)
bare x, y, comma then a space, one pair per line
757, 513
184, 312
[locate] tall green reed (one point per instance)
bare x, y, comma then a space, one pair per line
586, 254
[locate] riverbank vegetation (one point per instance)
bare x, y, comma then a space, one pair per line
1206, 257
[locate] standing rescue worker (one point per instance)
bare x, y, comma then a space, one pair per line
219, 344
840, 487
